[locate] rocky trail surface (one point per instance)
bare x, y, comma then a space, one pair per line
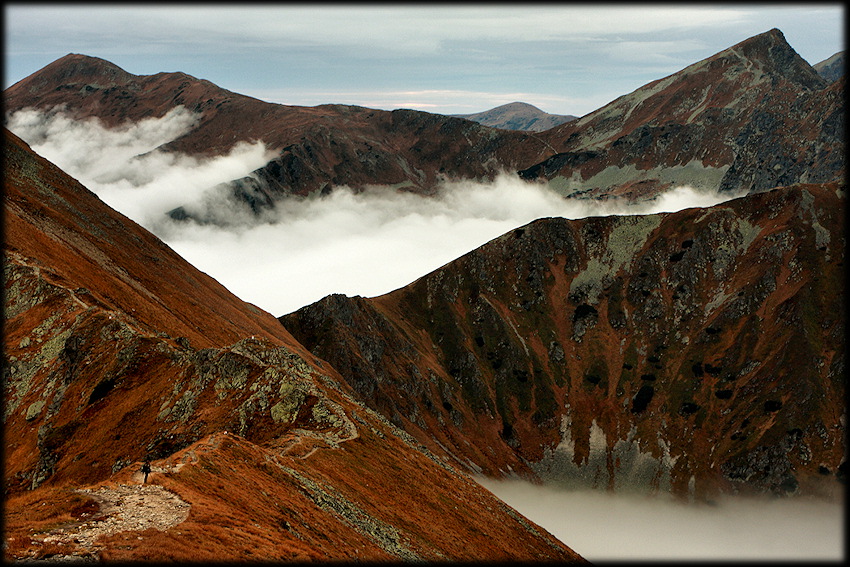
121, 508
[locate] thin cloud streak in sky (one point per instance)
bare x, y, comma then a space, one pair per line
397, 29
367, 243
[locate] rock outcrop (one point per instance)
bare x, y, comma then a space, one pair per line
752, 117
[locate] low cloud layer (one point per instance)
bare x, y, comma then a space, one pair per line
366, 243
124, 166
604, 527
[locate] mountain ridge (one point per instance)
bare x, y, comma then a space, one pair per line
319, 147
831, 68
716, 125
696, 353
583, 333
118, 352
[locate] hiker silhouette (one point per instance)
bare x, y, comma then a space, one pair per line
146, 468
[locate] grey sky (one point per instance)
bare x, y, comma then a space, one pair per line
566, 59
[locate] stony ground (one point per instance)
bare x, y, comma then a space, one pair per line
122, 508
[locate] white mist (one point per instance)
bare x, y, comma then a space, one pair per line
367, 243
604, 527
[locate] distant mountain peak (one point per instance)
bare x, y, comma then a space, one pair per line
832, 68
518, 116
517, 105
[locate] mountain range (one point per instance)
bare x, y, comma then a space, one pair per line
619, 351
718, 125
694, 353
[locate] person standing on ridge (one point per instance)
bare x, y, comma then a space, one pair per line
146, 468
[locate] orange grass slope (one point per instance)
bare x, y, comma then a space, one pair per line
116, 350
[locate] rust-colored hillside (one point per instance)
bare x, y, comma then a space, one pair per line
116, 351
692, 352
319, 147
695, 353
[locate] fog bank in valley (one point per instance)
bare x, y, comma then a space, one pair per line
357, 243
605, 527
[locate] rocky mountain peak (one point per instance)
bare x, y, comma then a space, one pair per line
831, 68
717, 81
718, 124
772, 55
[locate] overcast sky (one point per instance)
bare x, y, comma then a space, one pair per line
565, 59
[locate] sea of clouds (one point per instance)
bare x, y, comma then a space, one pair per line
372, 242
357, 243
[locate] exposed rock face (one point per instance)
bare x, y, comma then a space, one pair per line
690, 352
518, 116
752, 117
116, 351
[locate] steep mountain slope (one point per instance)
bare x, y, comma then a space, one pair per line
319, 147
518, 116
751, 117
116, 351
691, 352
831, 69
